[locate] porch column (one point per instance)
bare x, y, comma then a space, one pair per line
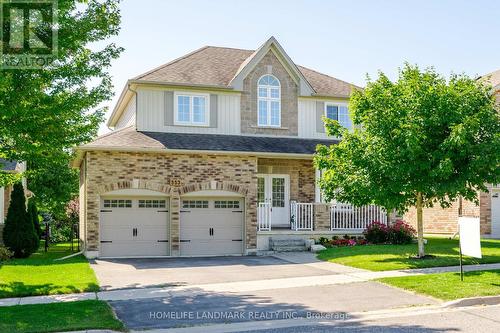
322, 217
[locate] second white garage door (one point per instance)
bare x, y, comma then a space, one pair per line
211, 227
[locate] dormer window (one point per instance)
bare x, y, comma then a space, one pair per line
340, 113
191, 109
269, 101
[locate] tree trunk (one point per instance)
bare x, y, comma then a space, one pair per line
420, 226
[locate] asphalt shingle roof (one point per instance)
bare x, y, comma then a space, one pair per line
216, 66
492, 78
130, 138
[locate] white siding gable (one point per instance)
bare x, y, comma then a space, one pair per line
151, 113
128, 116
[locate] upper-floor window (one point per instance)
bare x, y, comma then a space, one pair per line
191, 109
338, 112
269, 101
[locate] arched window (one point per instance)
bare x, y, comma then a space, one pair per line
269, 101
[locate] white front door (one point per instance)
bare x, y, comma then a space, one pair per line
495, 213
275, 189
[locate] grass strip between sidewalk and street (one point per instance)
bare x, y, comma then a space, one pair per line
447, 286
58, 317
393, 257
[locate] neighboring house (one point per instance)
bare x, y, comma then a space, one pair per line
211, 154
444, 221
11, 167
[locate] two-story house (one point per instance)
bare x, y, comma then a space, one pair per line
211, 154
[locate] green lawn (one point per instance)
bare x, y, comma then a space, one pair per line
41, 275
57, 317
390, 257
447, 286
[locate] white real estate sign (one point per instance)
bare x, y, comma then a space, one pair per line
470, 240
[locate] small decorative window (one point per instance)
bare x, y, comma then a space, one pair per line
269, 101
118, 203
191, 110
152, 203
227, 204
194, 204
339, 113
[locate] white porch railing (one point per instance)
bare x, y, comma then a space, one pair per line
301, 216
347, 216
264, 216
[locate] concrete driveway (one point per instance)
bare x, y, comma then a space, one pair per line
202, 291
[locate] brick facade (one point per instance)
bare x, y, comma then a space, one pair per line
289, 99
301, 172
445, 220
174, 174
179, 174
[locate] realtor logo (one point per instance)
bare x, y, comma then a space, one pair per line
28, 33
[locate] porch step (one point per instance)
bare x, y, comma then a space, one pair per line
287, 244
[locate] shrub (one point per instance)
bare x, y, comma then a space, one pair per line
61, 228
401, 233
19, 233
324, 241
33, 214
376, 233
347, 242
5, 254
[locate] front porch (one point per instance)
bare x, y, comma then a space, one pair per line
338, 217
313, 220
289, 205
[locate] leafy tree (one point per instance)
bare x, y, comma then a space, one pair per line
420, 141
55, 184
19, 232
46, 111
33, 215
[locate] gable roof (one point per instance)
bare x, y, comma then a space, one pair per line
130, 139
218, 66
272, 45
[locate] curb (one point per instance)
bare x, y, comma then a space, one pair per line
473, 301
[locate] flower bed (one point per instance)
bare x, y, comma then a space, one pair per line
375, 233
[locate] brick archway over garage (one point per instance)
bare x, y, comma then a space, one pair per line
136, 184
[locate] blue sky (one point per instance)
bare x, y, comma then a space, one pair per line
345, 39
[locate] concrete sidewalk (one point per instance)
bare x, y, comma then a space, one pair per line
349, 275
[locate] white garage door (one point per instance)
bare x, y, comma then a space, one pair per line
134, 227
495, 213
211, 226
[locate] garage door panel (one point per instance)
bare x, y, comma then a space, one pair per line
152, 233
195, 233
123, 248
116, 233
226, 223
134, 230
227, 233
